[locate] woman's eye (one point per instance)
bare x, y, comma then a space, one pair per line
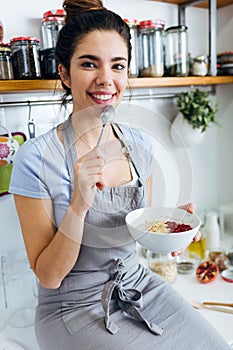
118, 66
88, 65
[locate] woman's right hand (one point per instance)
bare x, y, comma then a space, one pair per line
88, 173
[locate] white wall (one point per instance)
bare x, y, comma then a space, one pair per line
211, 180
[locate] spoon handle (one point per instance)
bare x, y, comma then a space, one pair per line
217, 303
100, 137
217, 308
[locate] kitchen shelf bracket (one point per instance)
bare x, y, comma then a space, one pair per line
212, 6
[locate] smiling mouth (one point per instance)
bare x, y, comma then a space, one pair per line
102, 97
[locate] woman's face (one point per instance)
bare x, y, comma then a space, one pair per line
98, 70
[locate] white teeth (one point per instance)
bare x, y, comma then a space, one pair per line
102, 97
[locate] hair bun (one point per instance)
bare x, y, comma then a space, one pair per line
73, 7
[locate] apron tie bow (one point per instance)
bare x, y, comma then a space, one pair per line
129, 300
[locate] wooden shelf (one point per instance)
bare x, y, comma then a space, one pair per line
40, 85
179, 81
203, 4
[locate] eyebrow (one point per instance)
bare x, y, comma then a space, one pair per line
95, 58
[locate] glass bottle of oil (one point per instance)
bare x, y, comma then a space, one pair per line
199, 247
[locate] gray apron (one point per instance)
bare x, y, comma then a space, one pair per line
105, 232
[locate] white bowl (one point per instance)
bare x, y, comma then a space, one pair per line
158, 242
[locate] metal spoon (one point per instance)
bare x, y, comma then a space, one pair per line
106, 116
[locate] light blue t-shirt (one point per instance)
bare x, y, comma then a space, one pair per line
40, 168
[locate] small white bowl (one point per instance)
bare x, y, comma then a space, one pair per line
159, 242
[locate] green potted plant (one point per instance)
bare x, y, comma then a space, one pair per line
196, 113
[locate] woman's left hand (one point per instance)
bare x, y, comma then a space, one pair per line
190, 208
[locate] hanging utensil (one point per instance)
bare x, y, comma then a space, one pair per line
106, 116
3, 273
31, 124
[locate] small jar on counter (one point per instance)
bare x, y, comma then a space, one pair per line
6, 69
218, 255
26, 57
163, 264
151, 49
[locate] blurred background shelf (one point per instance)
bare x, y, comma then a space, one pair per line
41, 85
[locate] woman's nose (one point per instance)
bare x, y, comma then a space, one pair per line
104, 78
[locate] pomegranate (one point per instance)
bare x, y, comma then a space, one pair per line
207, 271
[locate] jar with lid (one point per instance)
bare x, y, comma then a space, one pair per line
51, 24
176, 51
26, 57
200, 65
219, 256
6, 69
151, 49
134, 64
163, 264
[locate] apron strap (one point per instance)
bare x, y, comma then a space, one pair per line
126, 146
70, 149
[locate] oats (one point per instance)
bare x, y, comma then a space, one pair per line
157, 226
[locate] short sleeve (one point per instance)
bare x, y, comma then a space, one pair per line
26, 177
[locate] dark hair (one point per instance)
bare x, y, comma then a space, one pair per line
83, 17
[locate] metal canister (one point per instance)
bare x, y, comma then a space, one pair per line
151, 49
51, 24
26, 57
176, 51
6, 69
134, 64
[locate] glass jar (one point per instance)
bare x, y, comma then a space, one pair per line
134, 64
49, 69
25, 57
218, 255
200, 65
176, 51
51, 24
163, 264
6, 69
151, 49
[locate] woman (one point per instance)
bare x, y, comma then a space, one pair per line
72, 198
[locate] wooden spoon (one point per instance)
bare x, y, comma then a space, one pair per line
217, 303
198, 305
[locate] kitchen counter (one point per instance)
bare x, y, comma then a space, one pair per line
218, 290
186, 285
